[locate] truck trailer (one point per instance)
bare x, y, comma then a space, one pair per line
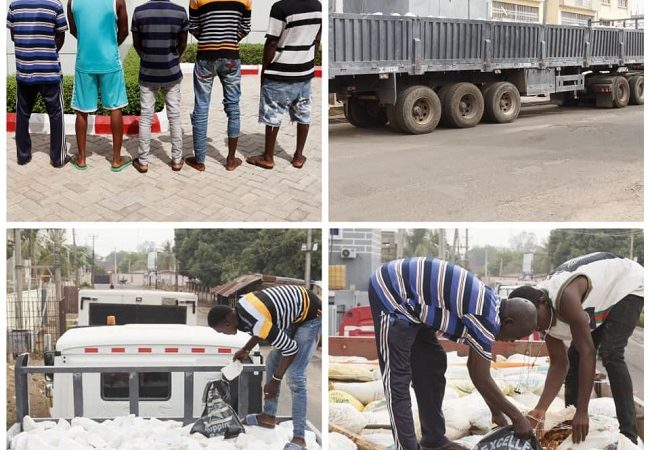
414, 72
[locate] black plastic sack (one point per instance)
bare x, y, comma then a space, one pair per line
503, 438
218, 418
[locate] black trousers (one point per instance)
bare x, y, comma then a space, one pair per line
610, 340
53, 97
410, 353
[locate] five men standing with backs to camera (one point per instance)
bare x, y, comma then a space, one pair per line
101, 26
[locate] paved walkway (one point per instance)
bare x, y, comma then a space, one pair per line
38, 192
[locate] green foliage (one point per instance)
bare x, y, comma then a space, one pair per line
217, 255
248, 53
564, 244
131, 65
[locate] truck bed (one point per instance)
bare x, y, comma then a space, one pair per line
374, 44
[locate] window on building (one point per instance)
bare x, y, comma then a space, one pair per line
336, 233
569, 18
514, 13
622, 3
605, 2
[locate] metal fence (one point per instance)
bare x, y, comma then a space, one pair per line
35, 319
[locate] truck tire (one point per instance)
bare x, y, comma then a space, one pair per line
620, 92
417, 110
462, 105
636, 89
502, 102
364, 114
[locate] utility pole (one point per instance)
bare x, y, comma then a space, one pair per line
308, 260
441, 243
175, 271
18, 264
115, 266
486, 265
632, 244
76, 260
92, 264
57, 273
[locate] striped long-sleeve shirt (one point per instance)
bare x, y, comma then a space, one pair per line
34, 25
443, 296
272, 313
219, 25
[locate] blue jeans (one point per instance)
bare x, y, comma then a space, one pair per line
306, 336
229, 73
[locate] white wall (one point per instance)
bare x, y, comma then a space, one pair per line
259, 23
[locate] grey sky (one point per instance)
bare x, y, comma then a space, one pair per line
107, 240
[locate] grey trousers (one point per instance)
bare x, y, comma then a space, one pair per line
173, 106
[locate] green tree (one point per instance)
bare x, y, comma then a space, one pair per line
564, 244
421, 242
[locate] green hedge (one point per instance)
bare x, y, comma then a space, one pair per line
248, 53
131, 66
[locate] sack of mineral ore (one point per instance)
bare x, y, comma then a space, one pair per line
503, 438
218, 418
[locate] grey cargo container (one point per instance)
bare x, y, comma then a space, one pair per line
415, 71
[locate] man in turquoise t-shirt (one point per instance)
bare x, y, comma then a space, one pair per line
100, 27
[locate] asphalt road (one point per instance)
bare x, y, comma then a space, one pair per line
314, 381
552, 164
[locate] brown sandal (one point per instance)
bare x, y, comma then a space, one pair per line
139, 166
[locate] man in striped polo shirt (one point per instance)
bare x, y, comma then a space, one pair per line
289, 318
38, 32
218, 25
592, 302
411, 300
288, 67
159, 29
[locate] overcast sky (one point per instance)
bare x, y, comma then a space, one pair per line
106, 240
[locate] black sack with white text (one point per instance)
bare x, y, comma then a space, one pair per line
503, 438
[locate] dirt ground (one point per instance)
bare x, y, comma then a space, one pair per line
38, 401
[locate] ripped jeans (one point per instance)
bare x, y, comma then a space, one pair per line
229, 73
306, 336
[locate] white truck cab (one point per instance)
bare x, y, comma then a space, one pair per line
136, 306
141, 345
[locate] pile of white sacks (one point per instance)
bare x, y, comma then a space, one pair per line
360, 407
135, 433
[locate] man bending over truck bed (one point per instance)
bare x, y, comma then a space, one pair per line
594, 302
411, 300
289, 318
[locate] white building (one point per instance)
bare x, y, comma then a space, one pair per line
68, 54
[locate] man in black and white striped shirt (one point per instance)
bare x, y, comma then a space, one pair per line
289, 318
287, 69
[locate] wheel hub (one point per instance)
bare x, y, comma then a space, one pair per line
421, 110
467, 105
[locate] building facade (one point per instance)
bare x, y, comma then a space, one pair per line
359, 250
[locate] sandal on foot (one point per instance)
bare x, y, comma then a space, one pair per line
176, 167
139, 166
193, 163
126, 163
76, 164
259, 161
251, 419
237, 164
300, 164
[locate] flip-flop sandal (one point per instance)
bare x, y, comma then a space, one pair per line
256, 161
140, 167
76, 164
292, 446
299, 166
238, 163
251, 419
125, 164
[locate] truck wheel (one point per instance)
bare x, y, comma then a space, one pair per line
364, 114
620, 92
462, 105
417, 110
636, 89
502, 102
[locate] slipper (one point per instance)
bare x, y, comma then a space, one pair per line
259, 162
126, 163
299, 166
139, 166
292, 446
176, 167
76, 164
237, 164
251, 419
